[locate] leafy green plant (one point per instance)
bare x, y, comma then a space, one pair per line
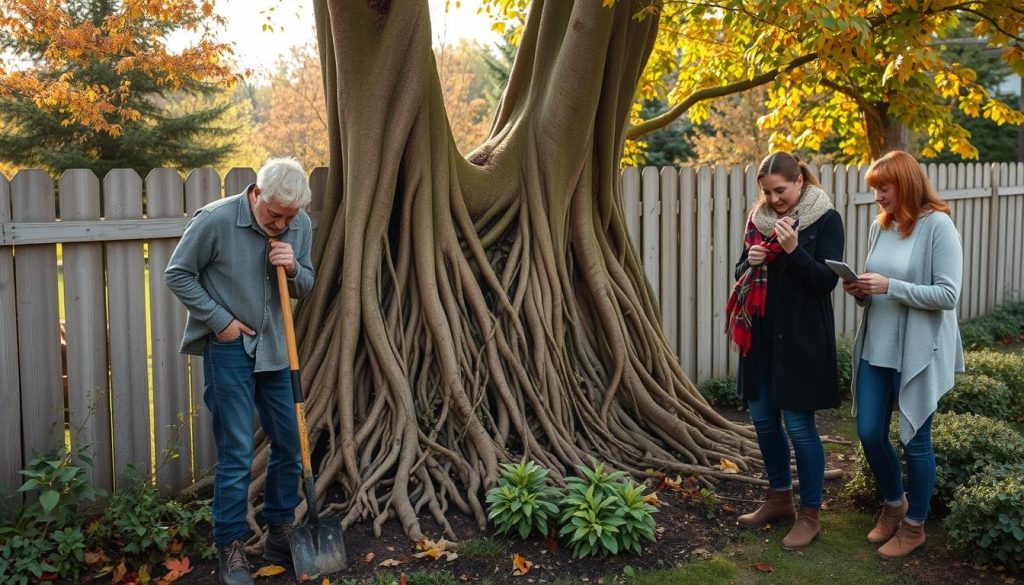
1004, 325
977, 394
986, 516
637, 513
42, 538
1007, 368
147, 527
522, 501
604, 512
844, 363
964, 444
721, 392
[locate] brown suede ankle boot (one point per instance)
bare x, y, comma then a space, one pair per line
804, 531
777, 506
907, 538
888, 521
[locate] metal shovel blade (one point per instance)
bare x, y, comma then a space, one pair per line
317, 549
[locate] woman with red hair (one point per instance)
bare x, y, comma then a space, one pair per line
908, 346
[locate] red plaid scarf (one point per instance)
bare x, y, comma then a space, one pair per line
749, 295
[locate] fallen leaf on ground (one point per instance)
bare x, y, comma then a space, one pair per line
652, 499
728, 466
727, 509
119, 573
403, 580
389, 563
434, 550
268, 571
91, 558
176, 569
764, 567
369, 556
520, 566
326, 581
671, 484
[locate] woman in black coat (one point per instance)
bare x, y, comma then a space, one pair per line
780, 319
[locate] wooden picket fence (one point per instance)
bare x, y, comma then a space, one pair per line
132, 396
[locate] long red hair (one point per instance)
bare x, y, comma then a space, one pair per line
914, 194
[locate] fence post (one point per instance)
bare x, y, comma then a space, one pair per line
993, 236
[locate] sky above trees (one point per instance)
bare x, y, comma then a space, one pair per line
264, 31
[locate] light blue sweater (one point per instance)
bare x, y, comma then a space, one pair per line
932, 350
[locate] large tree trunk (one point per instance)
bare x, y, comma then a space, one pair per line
884, 134
471, 311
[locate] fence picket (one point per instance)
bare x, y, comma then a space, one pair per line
669, 261
35, 266
10, 380
705, 299
651, 221
129, 383
202, 186
85, 313
164, 198
631, 204
688, 252
237, 179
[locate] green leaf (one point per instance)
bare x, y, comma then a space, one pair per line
48, 500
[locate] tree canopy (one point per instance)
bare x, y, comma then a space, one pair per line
865, 71
85, 83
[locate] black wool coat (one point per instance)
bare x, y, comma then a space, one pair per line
794, 344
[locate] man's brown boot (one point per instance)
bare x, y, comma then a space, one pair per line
804, 531
907, 538
777, 506
888, 521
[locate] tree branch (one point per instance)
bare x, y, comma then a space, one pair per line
855, 95
670, 116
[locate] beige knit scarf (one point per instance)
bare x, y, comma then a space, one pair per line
813, 204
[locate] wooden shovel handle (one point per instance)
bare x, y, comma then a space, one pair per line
293, 365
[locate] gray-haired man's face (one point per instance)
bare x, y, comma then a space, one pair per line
272, 217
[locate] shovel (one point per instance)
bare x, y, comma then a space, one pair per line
317, 546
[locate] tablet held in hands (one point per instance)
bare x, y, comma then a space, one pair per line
842, 269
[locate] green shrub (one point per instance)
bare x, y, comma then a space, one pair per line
1005, 324
1005, 367
42, 538
978, 394
964, 445
604, 513
721, 392
844, 360
986, 516
522, 500
977, 333
148, 528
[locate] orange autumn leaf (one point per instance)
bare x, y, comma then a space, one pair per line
268, 571
119, 573
520, 566
764, 567
434, 550
728, 466
652, 499
182, 565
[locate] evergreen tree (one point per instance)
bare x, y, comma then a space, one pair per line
152, 137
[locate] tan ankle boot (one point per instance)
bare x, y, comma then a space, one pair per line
777, 506
804, 531
907, 538
888, 521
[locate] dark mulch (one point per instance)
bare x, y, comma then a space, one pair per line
685, 532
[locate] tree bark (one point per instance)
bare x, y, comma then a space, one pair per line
884, 134
470, 311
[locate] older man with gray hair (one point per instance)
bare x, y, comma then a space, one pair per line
224, 271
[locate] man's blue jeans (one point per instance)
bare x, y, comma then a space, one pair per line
774, 444
877, 393
232, 390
